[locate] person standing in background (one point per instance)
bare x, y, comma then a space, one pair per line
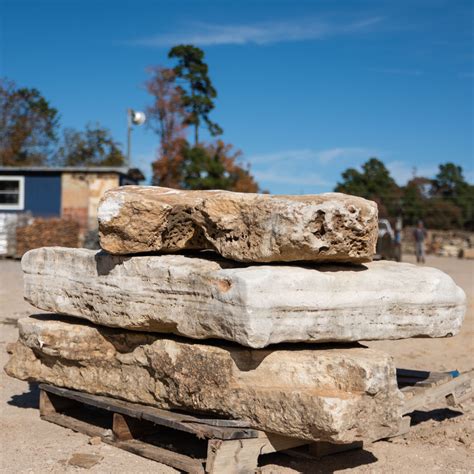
420, 235
398, 239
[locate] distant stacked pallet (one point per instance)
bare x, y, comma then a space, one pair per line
277, 289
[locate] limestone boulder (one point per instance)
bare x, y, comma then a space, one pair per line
333, 394
253, 305
239, 226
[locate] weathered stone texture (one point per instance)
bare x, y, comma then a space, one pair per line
332, 394
254, 306
239, 226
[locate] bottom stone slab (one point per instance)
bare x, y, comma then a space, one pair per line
340, 395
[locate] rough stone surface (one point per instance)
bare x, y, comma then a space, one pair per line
255, 305
240, 226
331, 394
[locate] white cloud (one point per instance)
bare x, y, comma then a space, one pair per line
305, 167
332, 154
206, 34
308, 155
304, 154
311, 179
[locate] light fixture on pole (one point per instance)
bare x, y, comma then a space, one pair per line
133, 118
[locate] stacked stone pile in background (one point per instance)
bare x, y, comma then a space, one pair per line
133, 321
443, 243
47, 232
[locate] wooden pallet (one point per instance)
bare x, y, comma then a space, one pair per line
198, 444
421, 388
193, 444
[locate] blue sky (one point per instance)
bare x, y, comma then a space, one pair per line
306, 89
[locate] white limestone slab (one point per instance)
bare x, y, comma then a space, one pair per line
254, 305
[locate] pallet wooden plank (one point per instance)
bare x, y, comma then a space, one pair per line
233, 456
433, 394
179, 461
75, 425
178, 421
164, 456
237, 455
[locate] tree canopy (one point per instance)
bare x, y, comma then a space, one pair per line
215, 167
28, 126
445, 202
182, 98
29, 134
166, 116
373, 182
92, 147
198, 92
451, 186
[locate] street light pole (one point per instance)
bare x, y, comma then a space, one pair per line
133, 118
129, 137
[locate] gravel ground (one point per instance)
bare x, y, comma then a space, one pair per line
441, 440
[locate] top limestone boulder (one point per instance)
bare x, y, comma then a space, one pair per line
245, 227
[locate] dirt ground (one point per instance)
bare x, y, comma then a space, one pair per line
440, 440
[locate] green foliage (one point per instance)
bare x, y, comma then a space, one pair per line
374, 182
203, 170
449, 182
451, 186
214, 166
441, 214
415, 200
198, 96
92, 147
446, 202
28, 126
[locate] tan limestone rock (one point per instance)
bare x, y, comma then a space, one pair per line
253, 305
333, 394
239, 226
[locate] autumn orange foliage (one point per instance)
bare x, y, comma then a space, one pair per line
166, 116
243, 181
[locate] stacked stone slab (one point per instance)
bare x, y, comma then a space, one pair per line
251, 228
255, 306
128, 325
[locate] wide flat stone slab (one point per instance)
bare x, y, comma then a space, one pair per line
239, 226
253, 305
330, 394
